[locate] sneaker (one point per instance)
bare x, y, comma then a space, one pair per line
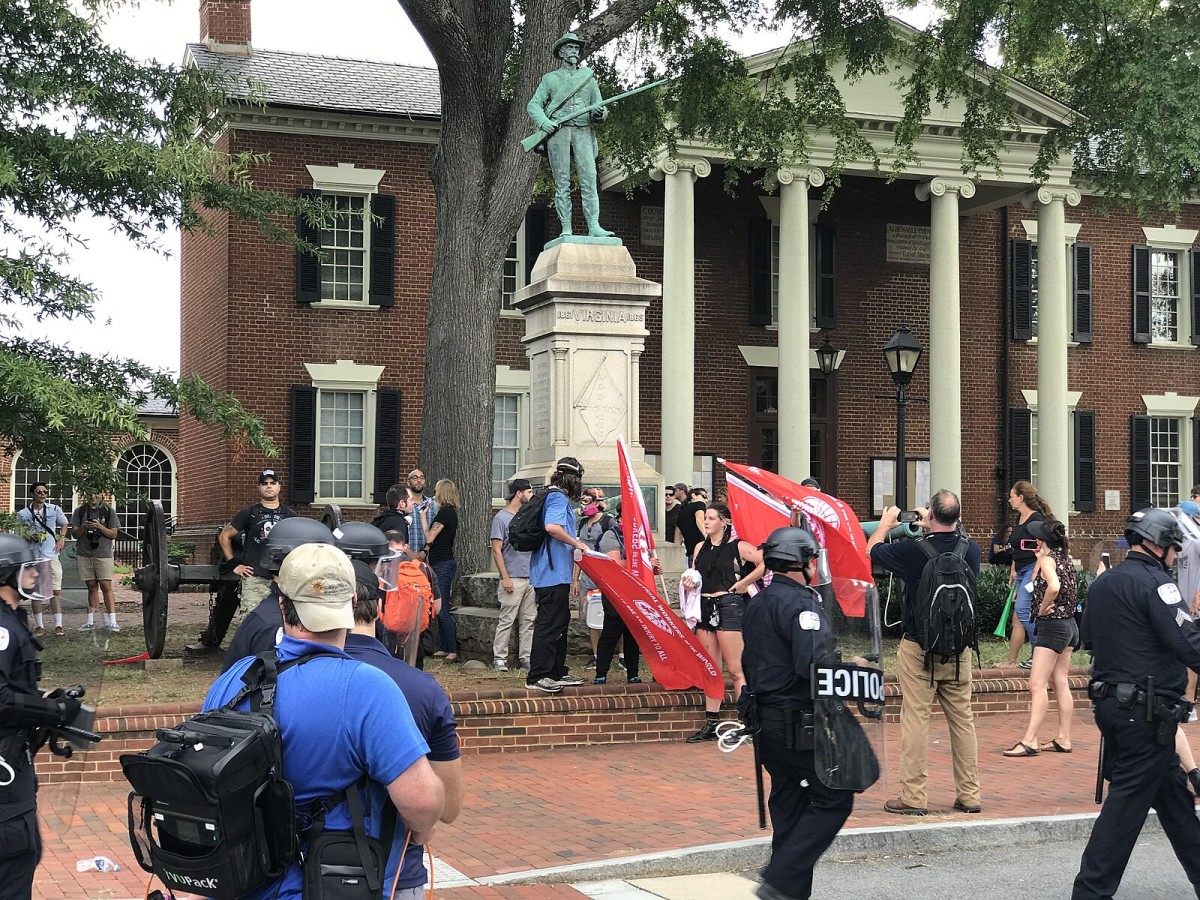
592, 664
115, 629
600, 679
499, 665
1026, 664
87, 626
201, 647
707, 733
39, 630
58, 631
524, 665
571, 680
634, 679
548, 685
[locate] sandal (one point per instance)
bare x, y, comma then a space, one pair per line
1056, 747
450, 658
1020, 748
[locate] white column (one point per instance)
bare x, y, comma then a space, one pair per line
679, 314
945, 339
795, 319
635, 398
1054, 312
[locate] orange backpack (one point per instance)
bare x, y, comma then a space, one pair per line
409, 605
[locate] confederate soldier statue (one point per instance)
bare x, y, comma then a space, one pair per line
571, 89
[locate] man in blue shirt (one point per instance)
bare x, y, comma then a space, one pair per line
435, 720
550, 570
338, 718
49, 523
949, 680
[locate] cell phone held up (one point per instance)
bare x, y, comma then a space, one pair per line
1029, 545
909, 517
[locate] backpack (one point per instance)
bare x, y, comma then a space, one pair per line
409, 606
527, 530
607, 524
210, 811
945, 608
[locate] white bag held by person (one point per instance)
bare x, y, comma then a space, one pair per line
689, 598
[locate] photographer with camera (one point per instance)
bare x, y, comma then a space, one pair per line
26, 716
94, 526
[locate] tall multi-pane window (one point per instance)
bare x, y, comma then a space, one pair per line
25, 476
505, 442
341, 429
344, 249
1033, 448
1033, 288
1164, 296
148, 475
774, 272
1166, 457
511, 263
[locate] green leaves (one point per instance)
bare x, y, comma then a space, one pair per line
87, 129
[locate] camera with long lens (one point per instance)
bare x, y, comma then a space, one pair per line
93, 533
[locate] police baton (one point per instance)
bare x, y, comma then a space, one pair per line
1100, 772
758, 784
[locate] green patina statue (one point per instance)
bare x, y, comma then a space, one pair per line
565, 105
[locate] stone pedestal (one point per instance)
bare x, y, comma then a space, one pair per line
585, 331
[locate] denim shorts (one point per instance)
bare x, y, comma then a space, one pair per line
1057, 634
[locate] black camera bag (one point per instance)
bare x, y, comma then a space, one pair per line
210, 812
347, 865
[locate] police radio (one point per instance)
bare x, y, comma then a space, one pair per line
844, 681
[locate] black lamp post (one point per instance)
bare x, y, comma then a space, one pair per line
827, 355
902, 353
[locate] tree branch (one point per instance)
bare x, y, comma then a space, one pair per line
616, 19
443, 31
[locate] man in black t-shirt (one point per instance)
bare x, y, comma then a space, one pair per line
254, 523
949, 680
690, 517
676, 497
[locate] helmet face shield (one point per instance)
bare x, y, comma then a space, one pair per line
387, 569
34, 580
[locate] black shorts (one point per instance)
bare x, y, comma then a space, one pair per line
1057, 634
709, 618
729, 612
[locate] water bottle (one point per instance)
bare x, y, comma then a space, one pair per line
97, 864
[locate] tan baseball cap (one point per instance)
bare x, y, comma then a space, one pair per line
319, 580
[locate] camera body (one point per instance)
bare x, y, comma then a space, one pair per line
909, 516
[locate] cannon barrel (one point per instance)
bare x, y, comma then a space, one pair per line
905, 530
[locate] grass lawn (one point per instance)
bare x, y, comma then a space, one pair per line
77, 658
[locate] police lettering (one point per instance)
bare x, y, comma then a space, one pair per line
848, 683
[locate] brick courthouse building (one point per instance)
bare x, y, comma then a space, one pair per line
1078, 367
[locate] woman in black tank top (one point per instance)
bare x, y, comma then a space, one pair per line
727, 567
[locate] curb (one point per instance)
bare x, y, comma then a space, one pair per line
850, 844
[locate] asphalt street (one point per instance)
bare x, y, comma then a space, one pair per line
1002, 873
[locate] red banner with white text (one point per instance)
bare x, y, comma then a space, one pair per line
635, 522
675, 657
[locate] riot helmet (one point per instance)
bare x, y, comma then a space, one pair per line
359, 540
1155, 525
289, 534
789, 549
22, 569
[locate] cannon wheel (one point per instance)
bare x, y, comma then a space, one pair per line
153, 578
331, 516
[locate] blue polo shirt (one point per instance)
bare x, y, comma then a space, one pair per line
435, 720
339, 719
553, 562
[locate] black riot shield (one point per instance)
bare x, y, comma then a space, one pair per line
843, 754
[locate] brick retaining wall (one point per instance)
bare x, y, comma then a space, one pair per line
513, 720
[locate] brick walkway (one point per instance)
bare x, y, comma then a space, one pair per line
551, 808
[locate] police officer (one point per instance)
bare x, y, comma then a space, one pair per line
25, 714
1143, 640
262, 628
785, 632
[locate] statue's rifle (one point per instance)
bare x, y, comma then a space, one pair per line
539, 137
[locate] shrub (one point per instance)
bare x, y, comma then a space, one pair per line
992, 588
179, 553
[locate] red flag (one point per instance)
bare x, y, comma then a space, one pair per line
835, 526
635, 527
675, 656
755, 514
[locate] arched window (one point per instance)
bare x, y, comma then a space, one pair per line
25, 476
150, 475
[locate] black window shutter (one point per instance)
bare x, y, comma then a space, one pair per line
1195, 259
1139, 462
1081, 314
826, 293
1195, 450
308, 265
537, 226
1141, 300
1022, 290
1020, 444
302, 468
760, 271
382, 289
387, 441
1085, 460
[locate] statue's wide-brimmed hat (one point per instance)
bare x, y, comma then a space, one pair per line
569, 38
